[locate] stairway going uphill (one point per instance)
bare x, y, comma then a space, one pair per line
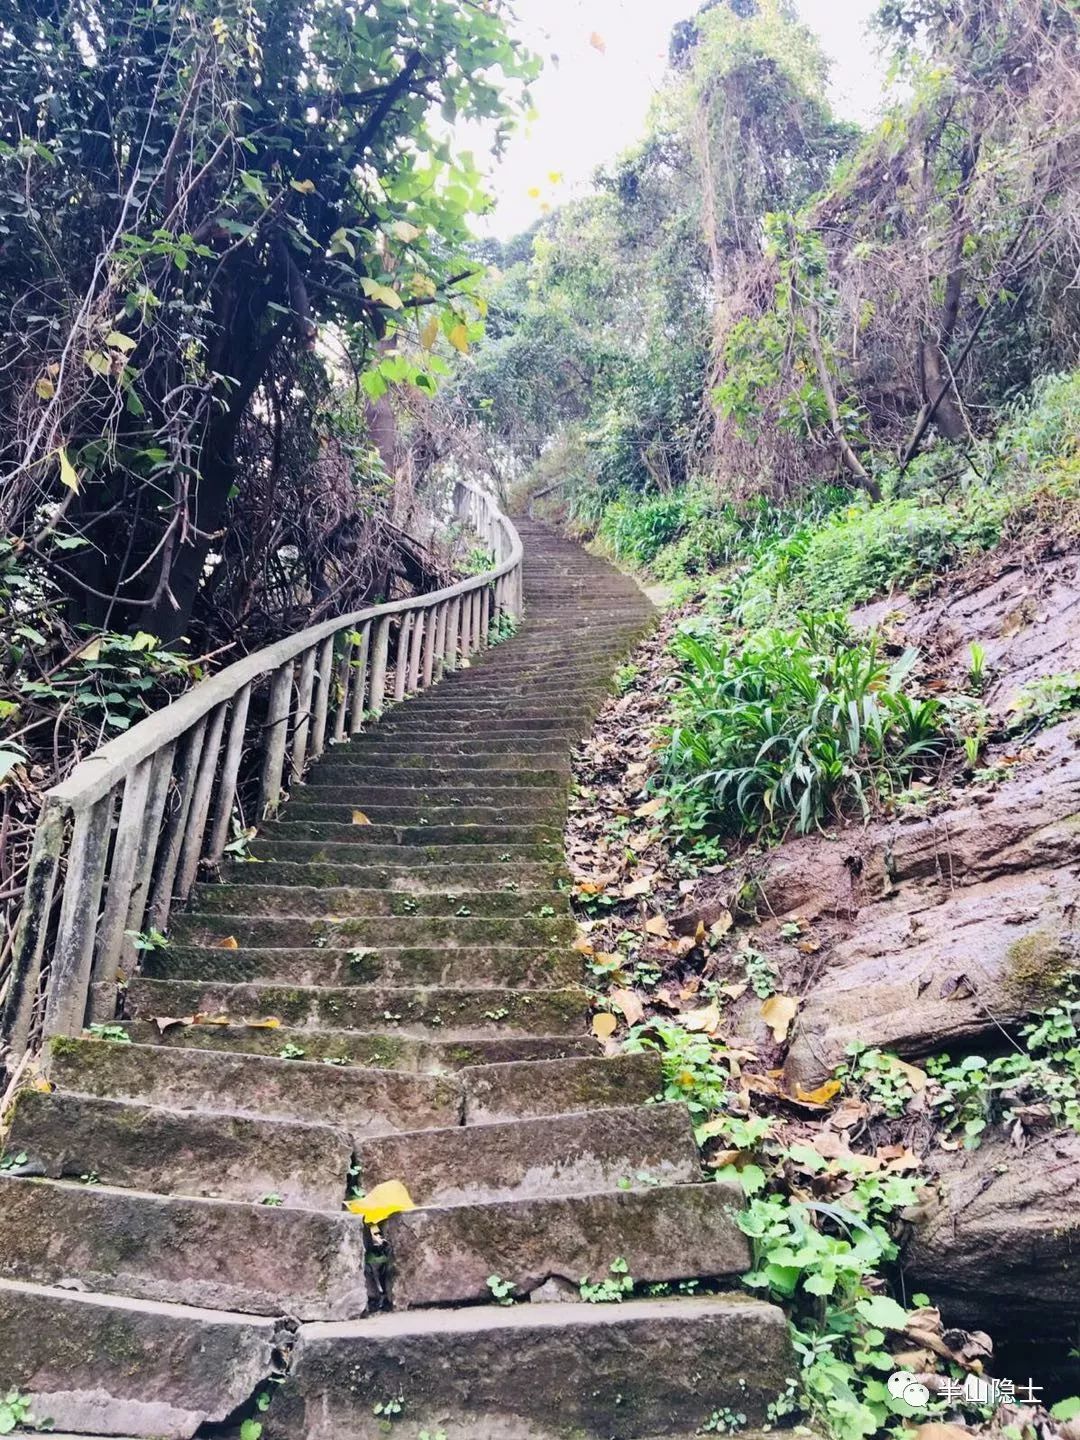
403, 1004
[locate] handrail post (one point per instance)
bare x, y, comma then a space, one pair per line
277, 736
323, 676
33, 929
401, 655
415, 651
121, 881
230, 769
431, 625
69, 974
380, 647
359, 682
302, 729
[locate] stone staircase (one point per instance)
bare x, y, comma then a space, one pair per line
171, 1226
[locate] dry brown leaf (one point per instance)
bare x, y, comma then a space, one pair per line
705, 1020
210, 1020
649, 808
821, 1096
848, 1115
604, 1025
230, 942
721, 925
657, 925
582, 945
734, 992
359, 818
169, 1022
635, 888
778, 1012
915, 1077
629, 1002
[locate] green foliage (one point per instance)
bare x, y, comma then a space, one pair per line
693, 1066
503, 1292
1046, 699
15, 1414
792, 726
612, 1289
974, 1093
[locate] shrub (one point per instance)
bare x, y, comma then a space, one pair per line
796, 725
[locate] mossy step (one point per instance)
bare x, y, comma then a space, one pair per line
260, 1259
419, 742
255, 899
515, 1089
463, 778
176, 1152
405, 879
663, 1233
350, 932
542, 1371
371, 835
432, 794
385, 1050
362, 1102
508, 966
414, 857
547, 810
411, 721
554, 1155
341, 761
446, 1012
107, 1363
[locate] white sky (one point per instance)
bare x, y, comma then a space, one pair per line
593, 104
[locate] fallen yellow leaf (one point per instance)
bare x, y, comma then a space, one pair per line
657, 925
821, 1096
230, 942
721, 926
389, 1198
359, 818
778, 1013
271, 1023
583, 945
649, 808
629, 1002
210, 1020
604, 1025
637, 887
706, 1020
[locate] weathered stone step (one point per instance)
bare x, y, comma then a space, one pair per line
432, 1013
538, 1372
406, 835
141, 1147
547, 810
371, 1102
517, 1089
109, 1365
507, 966
323, 903
433, 795
383, 1049
463, 779
342, 763
404, 879
349, 932
549, 722
422, 742
445, 1255
554, 1155
261, 1259
414, 857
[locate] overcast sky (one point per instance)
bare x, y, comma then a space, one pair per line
593, 103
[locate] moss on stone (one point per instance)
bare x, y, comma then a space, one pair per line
1036, 963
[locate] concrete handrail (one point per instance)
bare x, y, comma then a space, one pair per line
136, 820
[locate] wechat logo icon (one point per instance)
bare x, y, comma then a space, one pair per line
902, 1385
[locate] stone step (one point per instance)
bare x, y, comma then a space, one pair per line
642, 1369
142, 1147
414, 857
111, 1365
323, 902
383, 1049
554, 1155
431, 794
437, 1012
548, 810
370, 1101
420, 742
263, 932
344, 763
461, 778
517, 1089
510, 967
392, 836
261, 1259
406, 722
445, 1255
403, 879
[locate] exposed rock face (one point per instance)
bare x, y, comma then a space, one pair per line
1000, 1242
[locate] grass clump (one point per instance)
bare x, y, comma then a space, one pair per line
792, 727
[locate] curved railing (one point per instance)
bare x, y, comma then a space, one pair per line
125, 835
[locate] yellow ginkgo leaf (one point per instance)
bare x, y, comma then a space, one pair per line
389, 1198
778, 1013
359, 818
821, 1096
69, 476
305, 187
430, 333
230, 942
270, 1023
604, 1026
459, 338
